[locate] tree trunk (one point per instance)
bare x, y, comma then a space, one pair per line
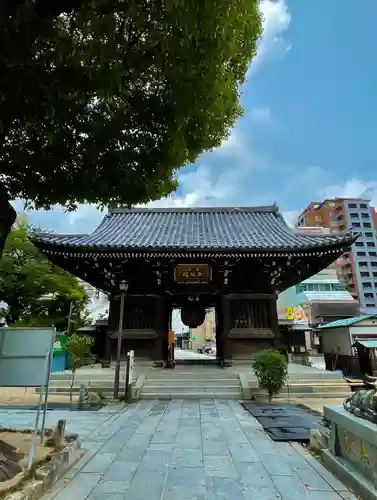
8, 217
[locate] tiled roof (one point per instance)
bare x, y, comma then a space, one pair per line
246, 228
347, 321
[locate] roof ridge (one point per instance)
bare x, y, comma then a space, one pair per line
247, 209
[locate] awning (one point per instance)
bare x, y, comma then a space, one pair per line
370, 344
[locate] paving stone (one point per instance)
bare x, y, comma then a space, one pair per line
254, 474
189, 478
106, 496
113, 487
147, 484
121, 471
277, 464
80, 488
187, 458
186, 450
99, 463
291, 488
222, 466
251, 493
131, 454
243, 452
155, 460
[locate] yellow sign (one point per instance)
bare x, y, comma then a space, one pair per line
171, 337
290, 313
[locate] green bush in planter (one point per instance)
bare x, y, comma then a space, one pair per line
271, 370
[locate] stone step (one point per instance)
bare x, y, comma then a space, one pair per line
192, 395
175, 380
182, 389
313, 395
76, 389
198, 387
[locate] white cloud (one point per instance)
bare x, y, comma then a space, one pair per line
261, 115
353, 188
276, 21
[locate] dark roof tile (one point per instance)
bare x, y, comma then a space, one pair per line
246, 228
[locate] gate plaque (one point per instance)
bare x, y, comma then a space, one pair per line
192, 273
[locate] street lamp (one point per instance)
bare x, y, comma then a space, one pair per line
123, 287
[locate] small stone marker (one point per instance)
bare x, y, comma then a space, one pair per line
59, 433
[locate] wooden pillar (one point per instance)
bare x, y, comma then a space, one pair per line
223, 341
274, 322
227, 341
160, 350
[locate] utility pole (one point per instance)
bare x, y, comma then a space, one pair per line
70, 317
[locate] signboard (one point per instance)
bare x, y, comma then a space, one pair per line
290, 313
171, 337
25, 356
192, 273
25, 361
131, 360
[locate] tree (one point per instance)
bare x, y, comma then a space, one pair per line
37, 292
102, 101
78, 348
271, 370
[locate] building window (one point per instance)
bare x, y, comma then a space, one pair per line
369, 234
359, 244
363, 205
373, 264
367, 284
372, 254
369, 305
319, 287
369, 296
371, 244
361, 254
364, 274
365, 215
374, 274
337, 287
354, 215
318, 218
363, 264
356, 224
352, 205
367, 224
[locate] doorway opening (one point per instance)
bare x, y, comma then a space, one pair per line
195, 344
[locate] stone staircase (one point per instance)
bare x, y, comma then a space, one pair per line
199, 382
310, 385
98, 380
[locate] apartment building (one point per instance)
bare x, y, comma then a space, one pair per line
358, 268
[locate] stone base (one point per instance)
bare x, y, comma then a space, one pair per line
352, 453
349, 475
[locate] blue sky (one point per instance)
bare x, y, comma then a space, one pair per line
309, 126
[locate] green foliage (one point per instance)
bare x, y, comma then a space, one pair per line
271, 370
78, 348
37, 292
103, 103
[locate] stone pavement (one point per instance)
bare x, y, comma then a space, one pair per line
192, 450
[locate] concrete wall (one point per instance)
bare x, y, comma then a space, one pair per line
337, 340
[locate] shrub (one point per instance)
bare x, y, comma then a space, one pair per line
78, 348
271, 370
